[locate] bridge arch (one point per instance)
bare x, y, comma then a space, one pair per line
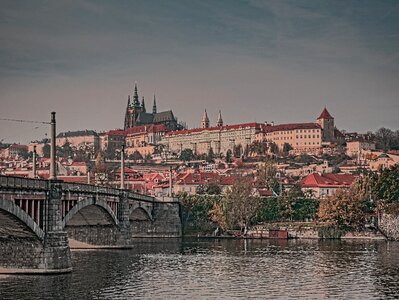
146, 209
20, 214
85, 203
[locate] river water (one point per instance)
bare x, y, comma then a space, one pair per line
222, 269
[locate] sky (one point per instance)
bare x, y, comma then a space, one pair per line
254, 60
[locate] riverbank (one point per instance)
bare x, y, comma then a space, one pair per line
297, 230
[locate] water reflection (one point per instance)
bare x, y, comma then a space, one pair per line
222, 269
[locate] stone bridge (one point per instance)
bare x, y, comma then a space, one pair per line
39, 217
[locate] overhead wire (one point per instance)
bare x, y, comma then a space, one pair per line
24, 121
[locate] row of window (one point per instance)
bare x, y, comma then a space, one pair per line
298, 137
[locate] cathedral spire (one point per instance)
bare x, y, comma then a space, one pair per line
205, 120
219, 122
154, 106
136, 102
143, 104
128, 101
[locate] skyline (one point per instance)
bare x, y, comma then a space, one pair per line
280, 61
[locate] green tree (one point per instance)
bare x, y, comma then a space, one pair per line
46, 151
286, 148
228, 158
259, 148
211, 156
386, 189
237, 150
186, 155
273, 148
269, 210
136, 156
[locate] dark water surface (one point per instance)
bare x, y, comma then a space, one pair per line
222, 269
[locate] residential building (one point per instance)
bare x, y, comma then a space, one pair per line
303, 137
87, 140
323, 185
219, 138
355, 149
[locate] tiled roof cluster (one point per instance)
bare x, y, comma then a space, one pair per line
291, 126
77, 133
327, 180
220, 128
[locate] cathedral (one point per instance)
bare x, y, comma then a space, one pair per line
137, 115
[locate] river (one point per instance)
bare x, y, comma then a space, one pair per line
222, 269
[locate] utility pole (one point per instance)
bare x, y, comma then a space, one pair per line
170, 181
123, 167
53, 166
34, 162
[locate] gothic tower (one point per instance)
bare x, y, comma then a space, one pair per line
326, 122
154, 106
143, 105
133, 109
219, 122
205, 120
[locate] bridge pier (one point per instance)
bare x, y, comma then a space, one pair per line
57, 255
124, 222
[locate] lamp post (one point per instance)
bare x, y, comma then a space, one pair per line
34, 162
123, 167
53, 167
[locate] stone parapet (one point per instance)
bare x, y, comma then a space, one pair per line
389, 225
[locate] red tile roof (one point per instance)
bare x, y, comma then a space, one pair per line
221, 128
291, 126
327, 180
119, 132
325, 115
147, 129
203, 178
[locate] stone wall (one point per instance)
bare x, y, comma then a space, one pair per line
21, 253
166, 222
389, 225
99, 235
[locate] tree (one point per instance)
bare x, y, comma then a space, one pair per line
209, 189
286, 148
213, 189
237, 150
136, 156
266, 176
269, 210
186, 155
241, 204
211, 156
46, 151
148, 157
273, 148
258, 148
385, 138
386, 189
218, 215
228, 158
343, 209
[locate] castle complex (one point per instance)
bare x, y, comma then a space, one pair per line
301, 137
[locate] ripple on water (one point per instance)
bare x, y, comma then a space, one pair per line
222, 269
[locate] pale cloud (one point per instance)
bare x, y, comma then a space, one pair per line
255, 60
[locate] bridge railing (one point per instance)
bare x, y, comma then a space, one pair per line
14, 182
